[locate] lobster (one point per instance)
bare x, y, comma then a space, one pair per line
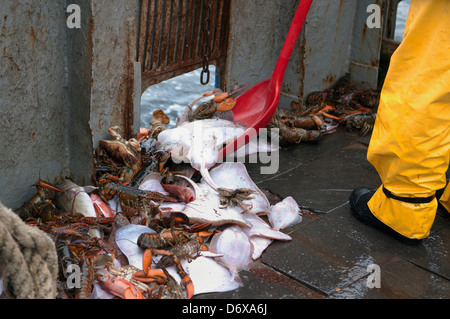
185, 245
221, 102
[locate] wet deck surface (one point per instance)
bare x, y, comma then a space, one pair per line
329, 255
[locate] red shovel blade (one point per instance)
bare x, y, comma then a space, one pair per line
256, 106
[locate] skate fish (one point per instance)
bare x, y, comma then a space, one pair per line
206, 208
284, 214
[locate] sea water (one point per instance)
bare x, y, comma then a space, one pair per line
402, 15
172, 96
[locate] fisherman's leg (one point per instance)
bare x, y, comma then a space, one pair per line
410, 144
444, 200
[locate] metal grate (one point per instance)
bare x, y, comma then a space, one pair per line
171, 36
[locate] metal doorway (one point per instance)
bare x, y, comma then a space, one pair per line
178, 36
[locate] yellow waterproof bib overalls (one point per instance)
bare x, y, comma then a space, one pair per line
410, 144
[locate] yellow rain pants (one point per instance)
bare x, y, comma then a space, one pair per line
410, 144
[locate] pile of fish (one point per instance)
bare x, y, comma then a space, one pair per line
163, 218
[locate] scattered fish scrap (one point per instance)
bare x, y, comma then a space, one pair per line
163, 218
323, 111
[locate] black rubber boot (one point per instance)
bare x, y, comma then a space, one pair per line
358, 204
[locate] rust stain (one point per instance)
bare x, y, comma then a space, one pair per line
356, 146
125, 94
89, 46
301, 72
307, 213
33, 34
391, 17
89, 37
330, 79
100, 124
274, 277
364, 31
11, 59
340, 7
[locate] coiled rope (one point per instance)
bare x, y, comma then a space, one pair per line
28, 259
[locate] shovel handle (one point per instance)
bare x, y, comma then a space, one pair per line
274, 85
290, 41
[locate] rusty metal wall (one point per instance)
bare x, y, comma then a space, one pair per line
257, 31
61, 89
113, 38
366, 46
334, 41
171, 36
329, 36
33, 97
389, 18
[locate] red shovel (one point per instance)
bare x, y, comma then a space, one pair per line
256, 106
